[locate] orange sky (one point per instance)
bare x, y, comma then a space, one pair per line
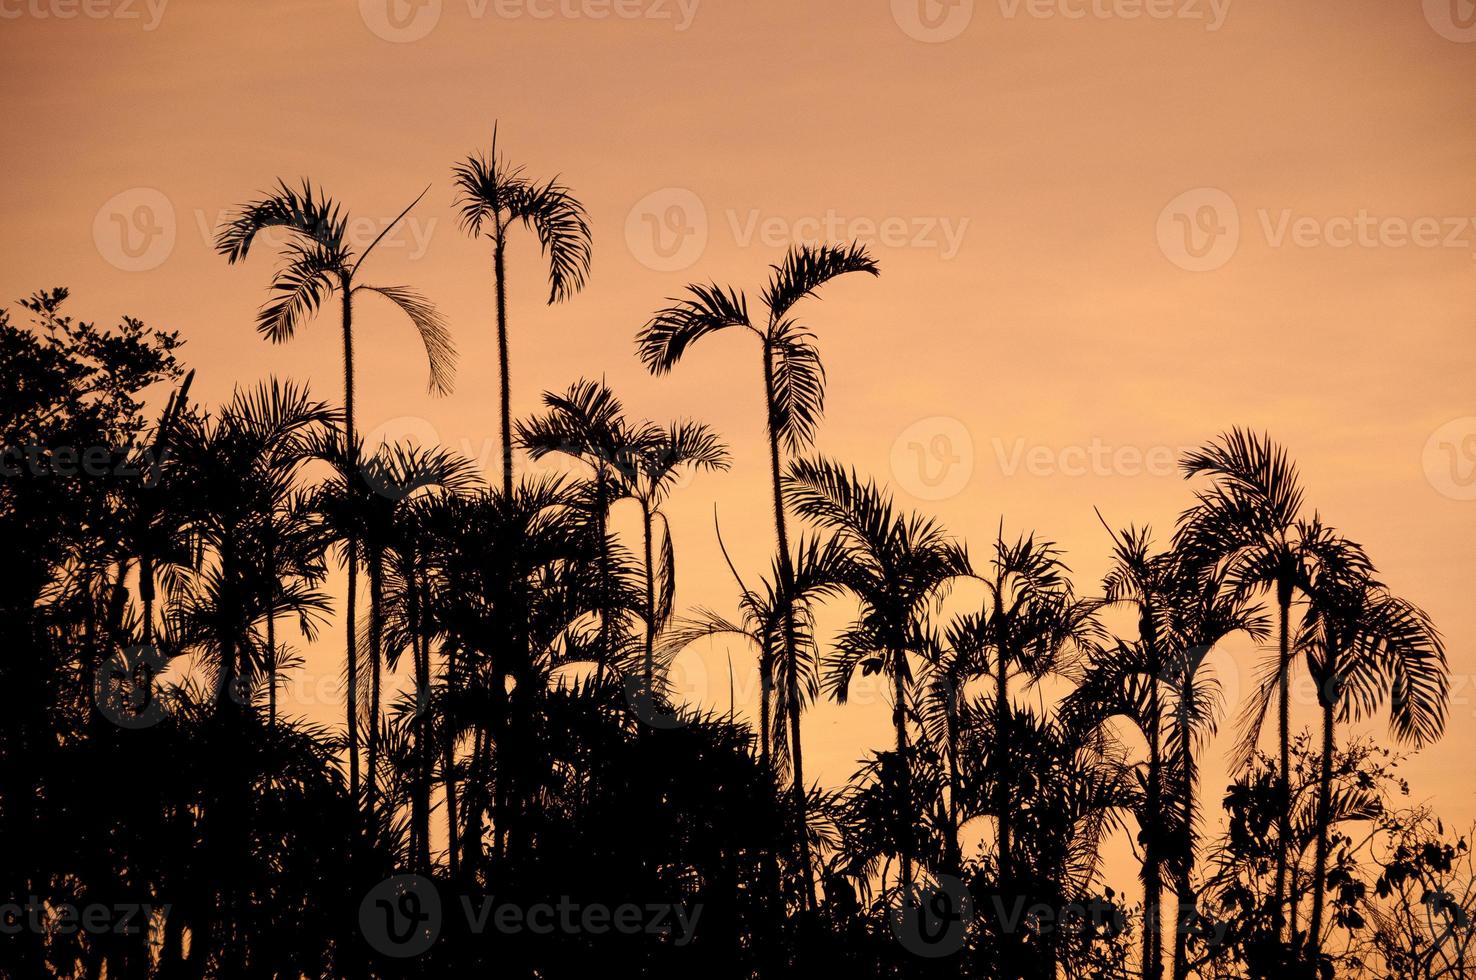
1041, 179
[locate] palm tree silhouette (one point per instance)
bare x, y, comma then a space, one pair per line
895, 565
1035, 626
794, 400
660, 457
237, 468
1159, 682
1363, 646
319, 260
1248, 520
587, 423
494, 195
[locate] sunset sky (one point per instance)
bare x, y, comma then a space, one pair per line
1108, 230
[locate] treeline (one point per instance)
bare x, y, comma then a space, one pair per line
509, 736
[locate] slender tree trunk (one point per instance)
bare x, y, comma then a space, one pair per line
904, 768
420, 652
271, 628
499, 274
1001, 752
650, 660
791, 654
766, 707
1009, 966
350, 611
376, 658
448, 760
1182, 881
955, 851
1152, 831
1324, 803
602, 524
1284, 916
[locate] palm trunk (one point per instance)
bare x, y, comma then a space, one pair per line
1001, 751
376, 657
1324, 803
1152, 832
904, 769
499, 273
791, 655
1009, 967
601, 490
766, 707
350, 612
448, 761
271, 629
650, 660
954, 856
1283, 732
419, 650
1182, 886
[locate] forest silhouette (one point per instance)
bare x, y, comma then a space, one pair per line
517, 790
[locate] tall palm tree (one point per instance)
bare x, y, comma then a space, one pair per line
1364, 646
896, 565
1248, 524
794, 399
319, 260
493, 196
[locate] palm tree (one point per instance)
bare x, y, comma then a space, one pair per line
363, 504
660, 457
1199, 614
794, 398
1159, 682
946, 715
817, 575
1247, 524
517, 573
493, 196
1035, 626
319, 260
237, 468
587, 423
896, 565
1364, 646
